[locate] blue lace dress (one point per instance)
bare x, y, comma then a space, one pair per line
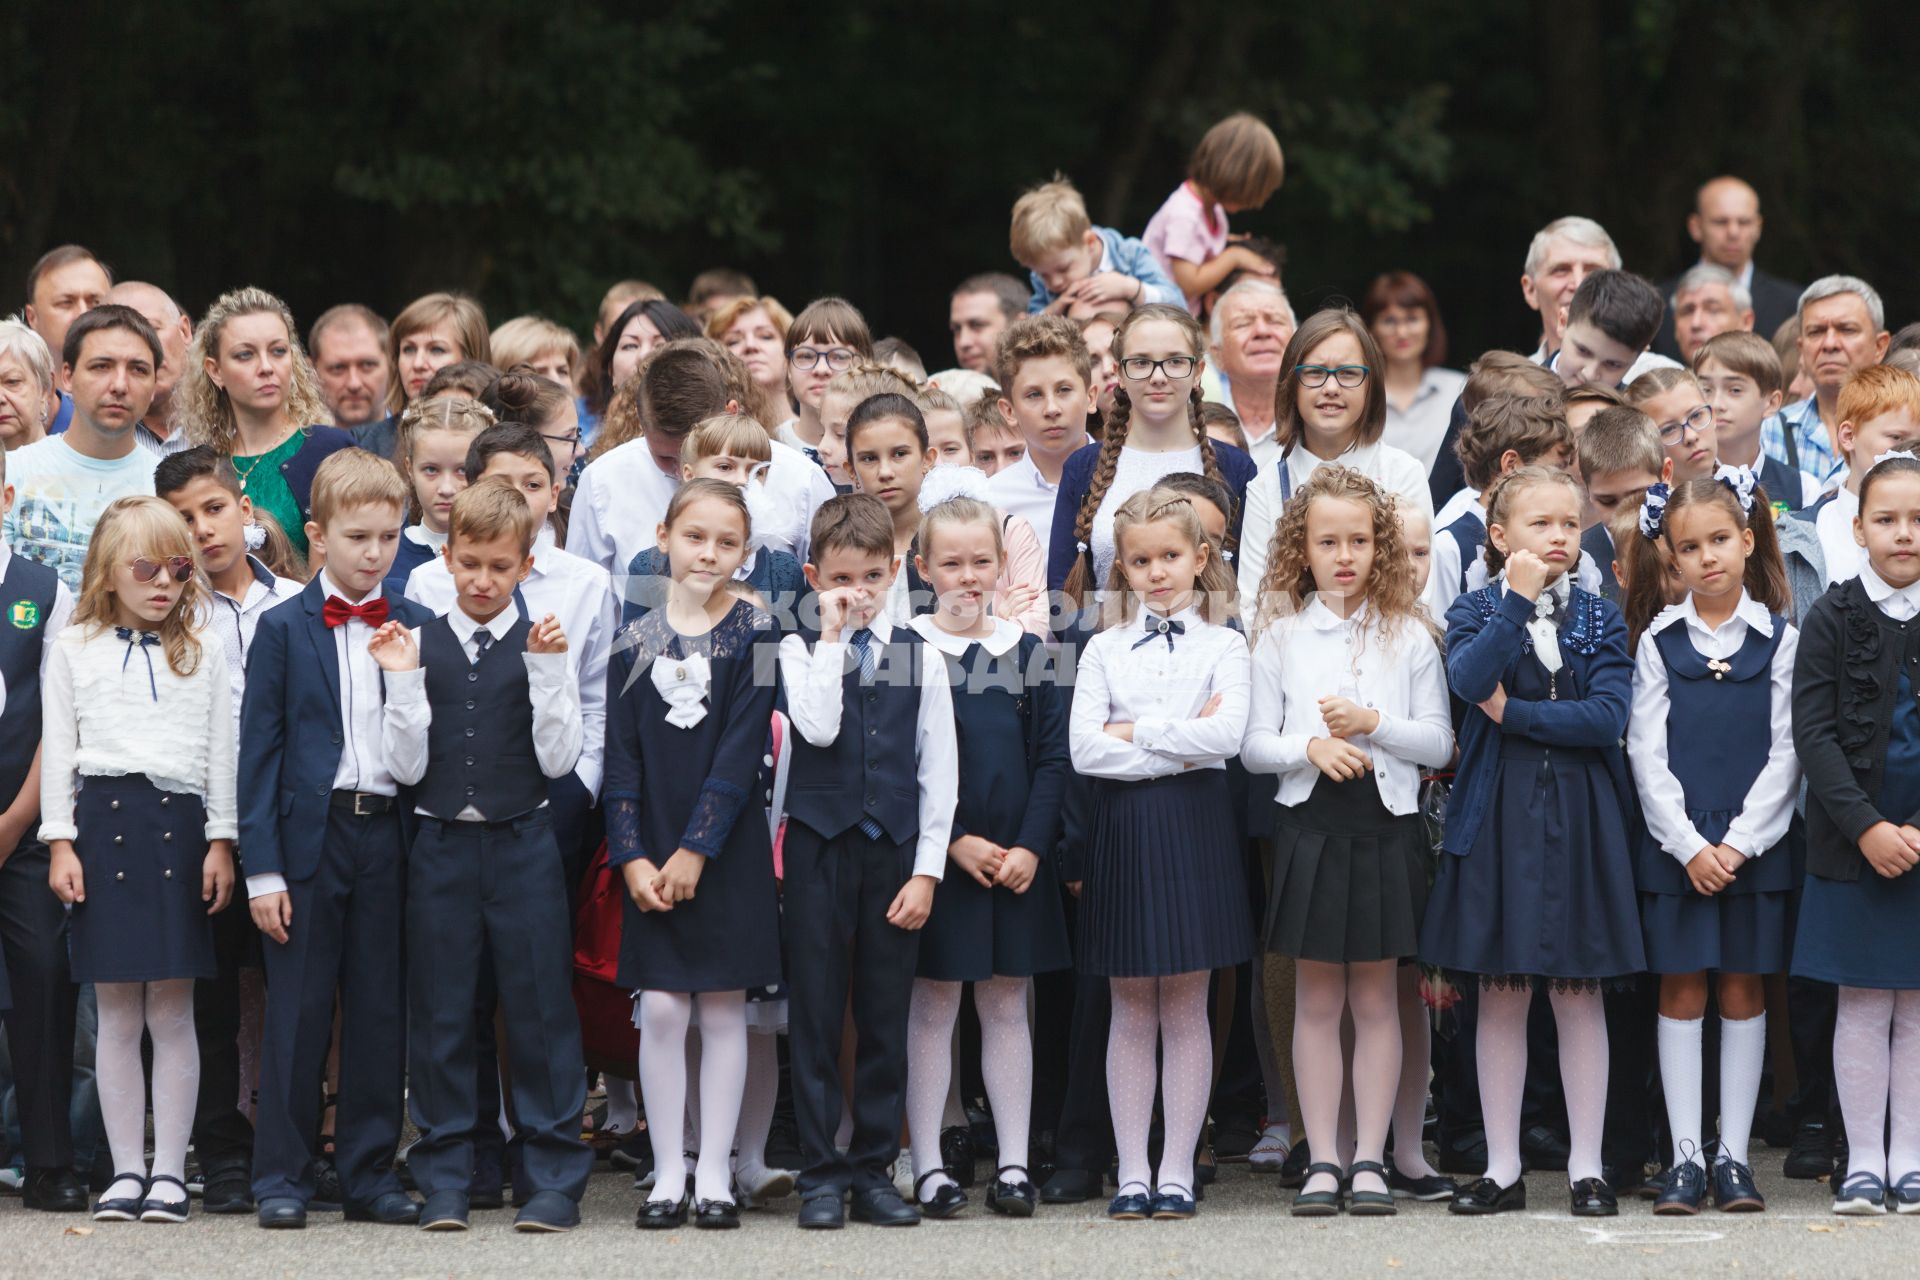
695, 787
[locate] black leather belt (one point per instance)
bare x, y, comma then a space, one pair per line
361, 803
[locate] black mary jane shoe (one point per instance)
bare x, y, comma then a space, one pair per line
948, 1199
1319, 1204
661, 1215
716, 1215
122, 1208
154, 1209
1014, 1199
1369, 1204
1484, 1195
1430, 1187
1592, 1198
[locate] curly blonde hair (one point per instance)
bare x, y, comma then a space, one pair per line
1391, 597
129, 529
1215, 593
202, 408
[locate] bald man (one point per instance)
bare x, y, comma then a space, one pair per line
156, 432
1726, 224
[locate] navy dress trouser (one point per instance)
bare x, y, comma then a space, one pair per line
40, 1025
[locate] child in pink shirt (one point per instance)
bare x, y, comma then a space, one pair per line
1237, 166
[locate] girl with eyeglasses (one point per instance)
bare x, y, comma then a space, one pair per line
826, 339
1679, 409
1331, 407
138, 810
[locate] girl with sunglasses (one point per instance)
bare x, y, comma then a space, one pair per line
138, 811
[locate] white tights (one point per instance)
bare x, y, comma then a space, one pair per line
1170, 1013
1416, 1060
664, 1016
165, 1011
1502, 1050
756, 1106
1006, 1066
1876, 1047
1322, 994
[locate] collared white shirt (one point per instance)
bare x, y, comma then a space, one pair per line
1003, 639
1448, 556
421, 536
1844, 557
1128, 674
1419, 429
550, 685
177, 442
1898, 603
1465, 500
62, 615
1392, 469
1315, 654
1768, 806
622, 496
1020, 490
363, 765
235, 621
813, 679
579, 594
1646, 360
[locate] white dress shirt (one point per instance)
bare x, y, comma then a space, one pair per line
813, 679
1467, 499
1844, 557
579, 594
1898, 603
1392, 469
55, 624
235, 621
1019, 489
1317, 654
1136, 470
1768, 806
551, 688
1160, 691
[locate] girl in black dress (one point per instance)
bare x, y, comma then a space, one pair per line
687, 719
997, 917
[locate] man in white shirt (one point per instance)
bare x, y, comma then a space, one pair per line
1251, 326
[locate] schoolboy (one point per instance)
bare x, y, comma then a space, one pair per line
1074, 264
40, 1019
946, 427
1496, 373
1740, 374
995, 443
1620, 459
1611, 321
868, 702
1503, 433
484, 710
204, 488
1879, 410
325, 853
1046, 377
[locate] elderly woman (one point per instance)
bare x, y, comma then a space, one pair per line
26, 385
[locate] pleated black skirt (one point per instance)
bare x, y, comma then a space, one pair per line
1349, 877
1165, 890
141, 853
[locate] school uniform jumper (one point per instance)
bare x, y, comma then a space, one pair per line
480, 726
1711, 737
687, 734
1010, 718
865, 709
320, 821
1539, 881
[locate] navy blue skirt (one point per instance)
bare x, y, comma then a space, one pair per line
1860, 933
141, 852
1547, 891
1165, 891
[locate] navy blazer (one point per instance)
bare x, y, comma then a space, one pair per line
1236, 468
290, 732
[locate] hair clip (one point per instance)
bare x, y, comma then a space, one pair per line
1653, 513
1891, 454
946, 483
1739, 479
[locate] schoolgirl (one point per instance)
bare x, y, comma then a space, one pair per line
431, 451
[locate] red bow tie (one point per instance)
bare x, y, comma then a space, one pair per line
336, 611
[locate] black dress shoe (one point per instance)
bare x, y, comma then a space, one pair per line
484, 1189
548, 1211
1072, 1186
1593, 1198
1810, 1158
444, 1211
1013, 1199
947, 1199
1464, 1153
661, 1215
282, 1213
328, 1192
1484, 1195
883, 1207
391, 1208
716, 1215
956, 1154
227, 1190
54, 1191
823, 1212
121, 1208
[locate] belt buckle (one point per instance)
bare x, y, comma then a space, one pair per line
363, 802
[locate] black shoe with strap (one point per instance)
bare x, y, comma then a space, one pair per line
1014, 1199
1370, 1204
156, 1209
1592, 1198
661, 1215
947, 1200
1319, 1204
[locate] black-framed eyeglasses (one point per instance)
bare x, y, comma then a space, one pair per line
1694, 423
1140, 368
145, 570
839, 359
1316, 375
569, 441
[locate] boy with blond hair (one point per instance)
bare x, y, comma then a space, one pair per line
1078, 267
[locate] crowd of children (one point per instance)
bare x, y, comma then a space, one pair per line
1011, 733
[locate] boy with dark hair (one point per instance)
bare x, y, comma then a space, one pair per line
1740, 375
1620, 459
870, 703
1613, 319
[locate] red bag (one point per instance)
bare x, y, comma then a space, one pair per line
610, 1041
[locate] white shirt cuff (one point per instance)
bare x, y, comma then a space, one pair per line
265, 883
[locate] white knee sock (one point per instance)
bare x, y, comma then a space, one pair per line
1743, 1052
1862, 1060
663, 1084
122, 1082
1679, 1046
1186, 1080
1006, 1066
1132, 1037
930, 1019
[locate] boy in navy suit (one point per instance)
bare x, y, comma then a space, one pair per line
485, 710
320, 819
870, 800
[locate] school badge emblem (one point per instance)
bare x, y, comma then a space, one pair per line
24, 614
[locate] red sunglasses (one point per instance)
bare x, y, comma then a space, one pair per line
145, 570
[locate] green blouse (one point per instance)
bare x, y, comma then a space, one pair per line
263, 480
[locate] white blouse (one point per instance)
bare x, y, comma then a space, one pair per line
1130, 675
1768, 806
104, 717
1390, 468
1317, 654
1135, 470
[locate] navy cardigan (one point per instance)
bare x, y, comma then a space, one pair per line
1236, 468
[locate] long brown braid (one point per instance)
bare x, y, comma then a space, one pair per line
1079, 585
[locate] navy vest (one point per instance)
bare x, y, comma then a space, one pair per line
480, 743
1719, 733
27, 595
872, 768
1470, 532
1781, 482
